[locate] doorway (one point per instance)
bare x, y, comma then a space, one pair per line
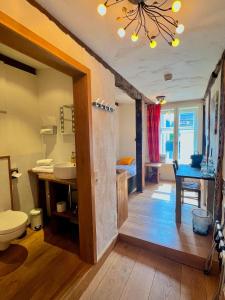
23, 40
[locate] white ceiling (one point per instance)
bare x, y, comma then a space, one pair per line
191, 63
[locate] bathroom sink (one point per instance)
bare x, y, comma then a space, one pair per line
65, 171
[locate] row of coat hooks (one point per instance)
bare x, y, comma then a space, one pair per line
102, 105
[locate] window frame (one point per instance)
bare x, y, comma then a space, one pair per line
197, 130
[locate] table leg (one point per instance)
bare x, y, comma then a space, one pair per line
48, 198
157, 175
210, 196
178, 199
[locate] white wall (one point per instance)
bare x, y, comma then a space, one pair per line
127, 130
55, 90
103, 87
31, 102
19, 129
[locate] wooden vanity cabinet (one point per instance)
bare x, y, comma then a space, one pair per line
51, 190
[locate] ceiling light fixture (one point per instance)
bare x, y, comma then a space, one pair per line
161, 100
143, 15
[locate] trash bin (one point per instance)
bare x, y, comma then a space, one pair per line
36, 219
201, 220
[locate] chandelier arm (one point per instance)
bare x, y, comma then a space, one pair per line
161, 25
114, 3
167, 30
157, 7
147, 7
140, 21
160, 32
157, 25
128, 15
146, 31
168, 17
131, 21
162, 16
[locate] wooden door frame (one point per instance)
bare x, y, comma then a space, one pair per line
20, 38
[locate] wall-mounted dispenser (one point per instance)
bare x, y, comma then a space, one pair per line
48, 130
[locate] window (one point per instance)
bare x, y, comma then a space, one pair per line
167, 134
187, 135
180, 141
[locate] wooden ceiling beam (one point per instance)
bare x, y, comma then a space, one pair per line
120, 81
214, 75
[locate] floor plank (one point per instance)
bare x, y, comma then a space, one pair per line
111, 260
112, 285
139, 283
192, 284
166, 284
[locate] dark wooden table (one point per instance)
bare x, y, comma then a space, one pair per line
186, 171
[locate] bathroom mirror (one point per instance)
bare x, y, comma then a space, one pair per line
5, 183
67, 119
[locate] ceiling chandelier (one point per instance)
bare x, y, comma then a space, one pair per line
161, 100
147, 13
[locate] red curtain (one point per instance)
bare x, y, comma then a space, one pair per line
153, 122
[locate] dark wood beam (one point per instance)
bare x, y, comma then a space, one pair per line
204, 130
214, 75
139, 145
17, 64
120, 81
221, 138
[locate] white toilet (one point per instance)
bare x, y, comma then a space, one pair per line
12, 225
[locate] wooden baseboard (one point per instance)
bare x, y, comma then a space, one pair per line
75, 289
172, 254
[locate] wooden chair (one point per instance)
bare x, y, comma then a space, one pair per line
188, 186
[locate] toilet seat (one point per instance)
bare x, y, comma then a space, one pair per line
11, 221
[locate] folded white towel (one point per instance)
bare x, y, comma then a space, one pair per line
44, 162
43, 169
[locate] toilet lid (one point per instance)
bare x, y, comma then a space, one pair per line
11, 221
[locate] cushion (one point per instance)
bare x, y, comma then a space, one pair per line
128, 160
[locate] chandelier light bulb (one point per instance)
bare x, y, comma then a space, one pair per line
152, 44
121, 32
176, 42
176, 6
180, 29
102, 9
134, 37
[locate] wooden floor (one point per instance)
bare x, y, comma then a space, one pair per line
133, 273
35, 269
151, 223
